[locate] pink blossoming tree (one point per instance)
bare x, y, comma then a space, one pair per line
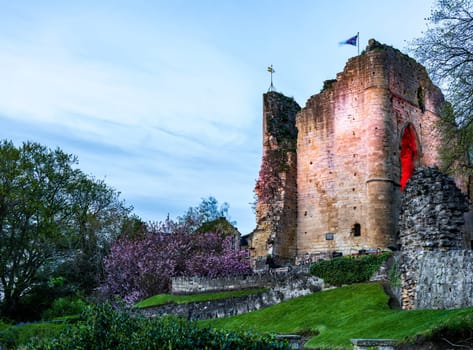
143, 266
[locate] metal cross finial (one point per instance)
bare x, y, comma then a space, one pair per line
271, 70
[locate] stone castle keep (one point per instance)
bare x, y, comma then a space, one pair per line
332, 172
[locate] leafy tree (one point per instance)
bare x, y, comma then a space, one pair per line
220, 226
51, 214
446, 50
132, 227
208, 210
98, 216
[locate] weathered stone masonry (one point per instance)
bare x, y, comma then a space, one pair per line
276, 187
340, 187
435, 268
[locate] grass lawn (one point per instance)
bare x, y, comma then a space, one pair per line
336, 316
12, 336
161, 299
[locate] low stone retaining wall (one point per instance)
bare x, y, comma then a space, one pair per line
291, 286
204, 310
192, 285
379, 344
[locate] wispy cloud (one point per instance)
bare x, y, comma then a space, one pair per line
160, 123
163, 99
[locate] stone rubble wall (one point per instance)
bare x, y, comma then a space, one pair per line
283, 288
432, 212
445, 280
434, 265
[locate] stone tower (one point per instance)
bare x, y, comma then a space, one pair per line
345, 157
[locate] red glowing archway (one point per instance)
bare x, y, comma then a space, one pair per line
408, 154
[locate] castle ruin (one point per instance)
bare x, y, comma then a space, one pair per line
332, 172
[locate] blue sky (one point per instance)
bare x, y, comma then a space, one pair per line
163, 99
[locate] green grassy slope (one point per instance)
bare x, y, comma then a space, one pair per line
355, 311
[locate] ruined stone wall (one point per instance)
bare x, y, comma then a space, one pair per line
192, 285
434, 266
276, 188
281, 287
432, 209
445, 280
348, 149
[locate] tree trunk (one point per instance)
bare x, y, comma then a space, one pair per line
9, 307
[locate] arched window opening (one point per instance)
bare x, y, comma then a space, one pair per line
408, 155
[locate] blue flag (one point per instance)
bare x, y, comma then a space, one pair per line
352, 41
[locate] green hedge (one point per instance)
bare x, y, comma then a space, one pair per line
347, 270
103, 327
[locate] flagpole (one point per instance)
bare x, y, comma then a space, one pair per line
358, 41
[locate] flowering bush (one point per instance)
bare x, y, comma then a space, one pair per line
269, 182
139, 268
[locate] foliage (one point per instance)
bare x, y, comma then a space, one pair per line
328, 84
269, 182
140, 268
334, 316
66, 306
281, 140
202, 242
51, 216
220, 226
162, 299
459, 328
347, 270
132, 227
14, 336
3, 325
208, 210
281, 121
337, 315
446, 49
38, 299
394, 276
103, 327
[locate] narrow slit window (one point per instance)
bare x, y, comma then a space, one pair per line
357, 230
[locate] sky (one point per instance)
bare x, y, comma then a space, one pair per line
163, 99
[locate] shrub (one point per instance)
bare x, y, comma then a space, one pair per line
347, 270
103, 327
72, 305
14, 336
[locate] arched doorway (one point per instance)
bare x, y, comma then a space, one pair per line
408, 154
